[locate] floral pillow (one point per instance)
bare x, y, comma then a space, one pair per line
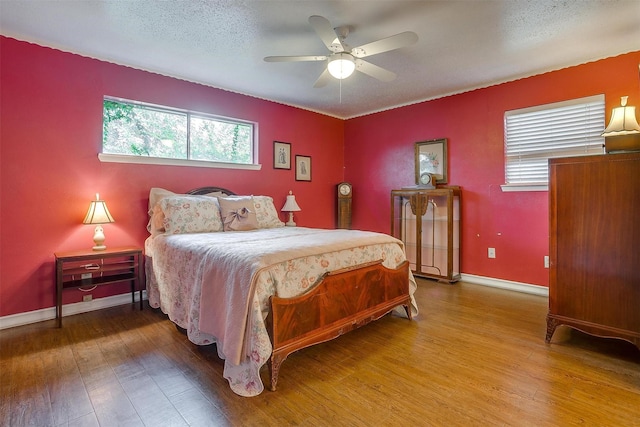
238, 213
266, 212
190, 214
156, 217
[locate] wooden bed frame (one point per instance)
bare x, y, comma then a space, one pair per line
339, 302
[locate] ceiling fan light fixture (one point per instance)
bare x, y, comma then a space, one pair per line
343, 59
341, 65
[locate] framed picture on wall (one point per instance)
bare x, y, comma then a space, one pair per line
431, 159
281, 155
303, 168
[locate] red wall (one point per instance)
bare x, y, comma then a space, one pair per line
379, 156
51, 130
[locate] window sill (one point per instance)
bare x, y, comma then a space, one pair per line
507, 188
120, 158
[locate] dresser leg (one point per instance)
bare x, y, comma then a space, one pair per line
552, 324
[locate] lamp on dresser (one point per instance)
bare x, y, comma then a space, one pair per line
623, 131
98, 214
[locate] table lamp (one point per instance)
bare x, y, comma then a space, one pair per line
291, 206
98, 214
623, 131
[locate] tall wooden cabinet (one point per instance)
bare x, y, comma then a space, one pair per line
428, 222
594, 226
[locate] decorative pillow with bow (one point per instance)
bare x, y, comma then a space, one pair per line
238, 213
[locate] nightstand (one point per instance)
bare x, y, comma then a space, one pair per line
78, 269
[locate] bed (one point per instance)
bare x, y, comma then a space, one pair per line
225, 269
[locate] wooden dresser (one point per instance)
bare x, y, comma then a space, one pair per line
594, 233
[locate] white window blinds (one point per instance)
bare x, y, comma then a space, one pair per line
534, 135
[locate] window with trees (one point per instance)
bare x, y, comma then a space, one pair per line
137, 129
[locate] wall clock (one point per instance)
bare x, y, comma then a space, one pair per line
344, 205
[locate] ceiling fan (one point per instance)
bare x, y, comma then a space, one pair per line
344, 60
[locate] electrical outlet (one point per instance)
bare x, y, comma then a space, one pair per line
86, 278
87, 298
491, 252
546, 261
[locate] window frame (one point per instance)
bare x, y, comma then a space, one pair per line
594, 141
138, 159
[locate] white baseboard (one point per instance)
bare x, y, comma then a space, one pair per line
506, 284
67, 310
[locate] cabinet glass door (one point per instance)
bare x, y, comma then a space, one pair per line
435, 237
428, 222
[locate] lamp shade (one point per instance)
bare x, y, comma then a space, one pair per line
623, 121
341, 65
98, 213
290, 205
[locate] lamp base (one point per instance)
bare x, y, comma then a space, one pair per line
98, 239
622, 143
290, 223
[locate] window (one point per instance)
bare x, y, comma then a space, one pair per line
144, 131
534, 135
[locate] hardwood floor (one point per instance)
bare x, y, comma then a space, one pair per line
474, 356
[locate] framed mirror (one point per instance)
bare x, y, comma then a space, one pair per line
431, 158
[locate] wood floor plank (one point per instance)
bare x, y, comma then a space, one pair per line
196, 409
474, 356
7, 383
30, 399
113, 407
88, 420
109, 400
68, 395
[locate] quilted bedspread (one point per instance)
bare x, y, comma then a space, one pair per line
217, 285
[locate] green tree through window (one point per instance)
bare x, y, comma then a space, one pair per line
136, 129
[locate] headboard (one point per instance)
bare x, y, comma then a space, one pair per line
206, 190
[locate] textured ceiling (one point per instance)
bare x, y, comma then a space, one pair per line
462, 45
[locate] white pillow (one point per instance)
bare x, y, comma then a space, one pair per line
190, 214
266, 212
157, 194
156, 217
156, 221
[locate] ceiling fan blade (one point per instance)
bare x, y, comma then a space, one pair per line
324, 78
384, 45
374, 71
299, 58
327, 34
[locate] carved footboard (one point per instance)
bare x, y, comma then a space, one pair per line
340, 302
